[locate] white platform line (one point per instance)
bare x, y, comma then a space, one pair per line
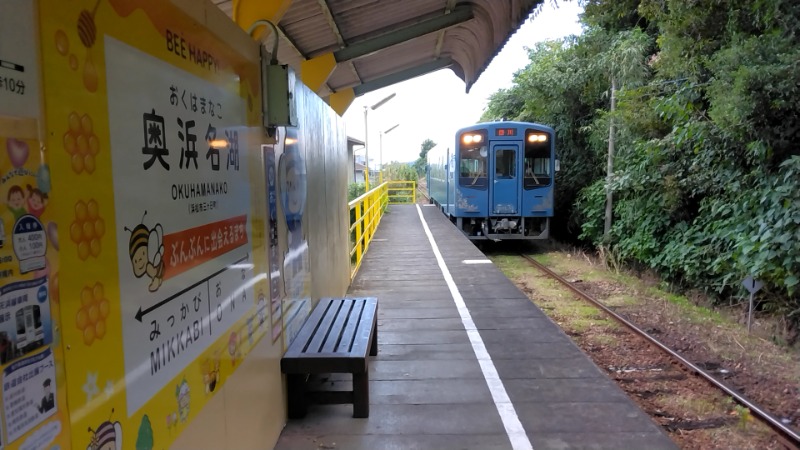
516, 434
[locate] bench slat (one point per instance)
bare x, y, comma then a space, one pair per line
367, 322
341, 337
349, 333
306, 332
324, 329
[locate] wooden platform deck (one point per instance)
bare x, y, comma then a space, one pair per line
466, 360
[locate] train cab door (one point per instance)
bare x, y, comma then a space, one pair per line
506, 184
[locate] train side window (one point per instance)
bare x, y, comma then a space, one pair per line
472, 167
537, 165
506, 163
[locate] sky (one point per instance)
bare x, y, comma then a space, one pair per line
435, 105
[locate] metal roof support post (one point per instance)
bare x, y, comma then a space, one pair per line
403, 75
460, 15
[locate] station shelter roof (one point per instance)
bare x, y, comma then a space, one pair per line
345, 48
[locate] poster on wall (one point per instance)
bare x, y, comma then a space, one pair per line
31, 357
185, 265
29, 393
19, 60
296, 267
25, 320
148, 120
276, 301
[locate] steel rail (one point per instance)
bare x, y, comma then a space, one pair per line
789, 436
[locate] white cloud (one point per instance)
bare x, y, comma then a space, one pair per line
434, 106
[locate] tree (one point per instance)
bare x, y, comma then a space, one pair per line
624, 63
422, 161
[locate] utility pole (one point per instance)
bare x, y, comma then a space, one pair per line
381, 149
610, 169
366, 148
366, 130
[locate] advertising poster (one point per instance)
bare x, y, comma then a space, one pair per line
148, 117
19, 60
33, 413
276, 299
28, 393
293, 189
185, 266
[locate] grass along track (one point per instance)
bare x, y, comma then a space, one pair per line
695, 414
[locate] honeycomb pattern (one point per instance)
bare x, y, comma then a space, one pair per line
81, 143
91, 318
87, 229
54, 292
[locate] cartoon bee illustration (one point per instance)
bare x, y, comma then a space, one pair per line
146, 249
210, 368
108, 436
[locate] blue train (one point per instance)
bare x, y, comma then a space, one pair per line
497, 181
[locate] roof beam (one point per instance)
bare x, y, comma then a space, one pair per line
323, 5
316, 71
459, 15
403, 75
289, 42
440, 38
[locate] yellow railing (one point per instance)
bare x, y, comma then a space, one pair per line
401, 192
366, 212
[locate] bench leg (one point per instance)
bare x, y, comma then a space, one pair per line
296, 387
361, 395
373, 350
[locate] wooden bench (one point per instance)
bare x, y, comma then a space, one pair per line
336, 338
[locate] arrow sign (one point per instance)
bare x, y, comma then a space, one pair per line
752, 285
12, 66
141, 313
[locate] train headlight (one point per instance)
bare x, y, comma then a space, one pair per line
472, 138
535, 137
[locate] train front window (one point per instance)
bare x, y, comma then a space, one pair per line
472, 166
20, 322
37, 317
505, 164
537, 163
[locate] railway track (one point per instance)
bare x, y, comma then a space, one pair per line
787, 436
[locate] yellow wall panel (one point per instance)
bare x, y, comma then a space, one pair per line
161, 252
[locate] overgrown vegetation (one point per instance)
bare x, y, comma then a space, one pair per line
706, 168
422, 161
399, 172
355, 190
